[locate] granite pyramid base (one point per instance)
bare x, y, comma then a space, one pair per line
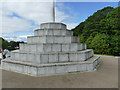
33, 69
52, 50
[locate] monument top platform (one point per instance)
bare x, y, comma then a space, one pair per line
53, 25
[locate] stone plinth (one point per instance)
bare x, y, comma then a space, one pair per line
52, 39
50, 47
51, 69
61, 32
48, 57
52, 50
56, 26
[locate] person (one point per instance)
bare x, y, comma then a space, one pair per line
1, 56
6, 53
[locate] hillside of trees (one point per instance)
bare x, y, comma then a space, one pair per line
101, 31
12, 45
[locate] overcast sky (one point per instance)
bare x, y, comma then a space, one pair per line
21, 18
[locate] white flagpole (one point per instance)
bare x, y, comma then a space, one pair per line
53, 11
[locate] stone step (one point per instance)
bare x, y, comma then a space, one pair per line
52, 39
62, 32
53, 26
52, 47
52, 57
51, 69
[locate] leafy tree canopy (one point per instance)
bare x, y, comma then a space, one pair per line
101, 31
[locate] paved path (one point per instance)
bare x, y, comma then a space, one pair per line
105, 77
0, 78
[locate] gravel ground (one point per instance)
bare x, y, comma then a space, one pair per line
105, 77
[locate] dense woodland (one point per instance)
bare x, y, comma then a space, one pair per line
101, 31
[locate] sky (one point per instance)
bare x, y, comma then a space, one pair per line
20, 19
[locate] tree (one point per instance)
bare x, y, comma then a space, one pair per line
9, 45
104, 26
89, 41
100, 44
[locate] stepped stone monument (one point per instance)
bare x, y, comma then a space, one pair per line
52, 50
